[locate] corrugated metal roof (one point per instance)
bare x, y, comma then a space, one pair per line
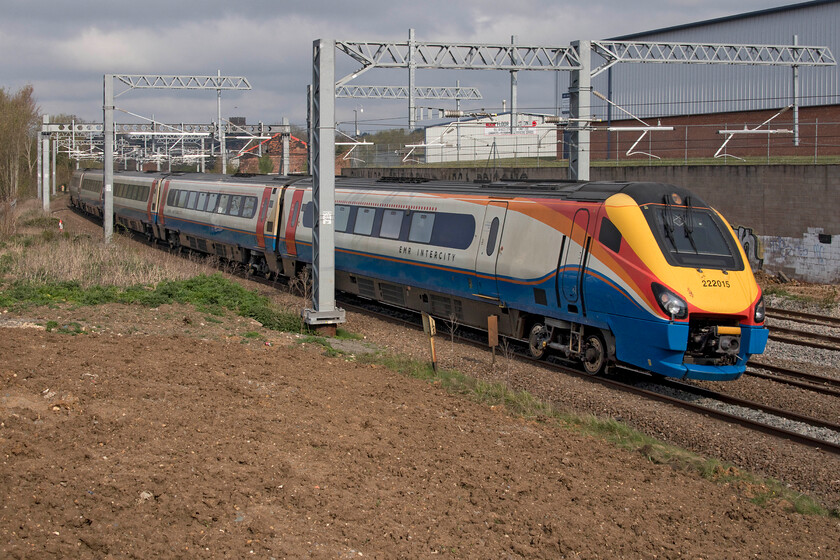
735, 17
659, 90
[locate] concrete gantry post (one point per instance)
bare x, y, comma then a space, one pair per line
52, 166
222, 147
412, 69
796, 98
284, 170
580, 108
324, 313
45, 165
310, 164
513, 84
108, 158
39, 162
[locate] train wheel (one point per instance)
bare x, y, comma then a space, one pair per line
538, 341
594, 355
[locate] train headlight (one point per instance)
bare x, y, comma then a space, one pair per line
759, 310
673, 305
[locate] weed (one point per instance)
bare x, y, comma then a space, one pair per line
69, 328
343, 334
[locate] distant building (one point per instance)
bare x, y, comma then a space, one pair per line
490, 137
249, 159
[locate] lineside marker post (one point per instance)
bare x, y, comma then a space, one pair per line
429, 329
493, 334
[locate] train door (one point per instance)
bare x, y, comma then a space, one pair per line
158, 208
489, 247
150, 203
571, 264
261, 217
292, 221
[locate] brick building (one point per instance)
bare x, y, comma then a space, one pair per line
249, 159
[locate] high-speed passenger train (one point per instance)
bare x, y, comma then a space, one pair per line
645, 275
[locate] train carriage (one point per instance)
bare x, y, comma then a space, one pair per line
638, 274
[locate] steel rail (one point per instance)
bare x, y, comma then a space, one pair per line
777, 332
813, 382
802, 317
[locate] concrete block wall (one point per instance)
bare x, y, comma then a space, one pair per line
814, 257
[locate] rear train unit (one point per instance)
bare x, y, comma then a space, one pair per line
645, 275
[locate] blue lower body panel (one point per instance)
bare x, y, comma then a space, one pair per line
659, 347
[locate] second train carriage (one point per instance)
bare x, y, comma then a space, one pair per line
641, 274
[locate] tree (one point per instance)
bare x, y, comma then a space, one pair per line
265, 164
19, 116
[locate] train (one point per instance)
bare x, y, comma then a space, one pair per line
634, 274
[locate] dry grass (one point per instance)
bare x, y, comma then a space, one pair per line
49, 257
92, 263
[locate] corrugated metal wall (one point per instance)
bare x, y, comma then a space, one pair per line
651, 90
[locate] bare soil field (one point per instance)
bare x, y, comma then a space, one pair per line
214, 444
129, 432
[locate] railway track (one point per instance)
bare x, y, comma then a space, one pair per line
801, 317
755, 416
805, 338
796, 378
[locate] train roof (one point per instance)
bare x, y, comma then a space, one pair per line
590, 191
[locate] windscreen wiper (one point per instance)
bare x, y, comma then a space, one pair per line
689, 223
668, 218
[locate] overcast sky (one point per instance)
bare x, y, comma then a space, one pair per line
64, 48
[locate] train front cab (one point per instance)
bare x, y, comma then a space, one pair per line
698, 312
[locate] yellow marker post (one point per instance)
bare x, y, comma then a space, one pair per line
429, 329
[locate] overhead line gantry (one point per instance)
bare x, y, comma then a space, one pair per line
575, 58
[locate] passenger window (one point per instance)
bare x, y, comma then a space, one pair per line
170, 198
223, 203
491, 237
364, 221
422, 224
212, 199
192, 200
235, 205
202, 201
391, 224
182, 199
342, 215
250, 207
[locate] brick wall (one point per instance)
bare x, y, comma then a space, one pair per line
697, 136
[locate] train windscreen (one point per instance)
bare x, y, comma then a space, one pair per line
693, 237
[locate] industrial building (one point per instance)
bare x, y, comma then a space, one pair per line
490, 136
708, 106
705, 102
